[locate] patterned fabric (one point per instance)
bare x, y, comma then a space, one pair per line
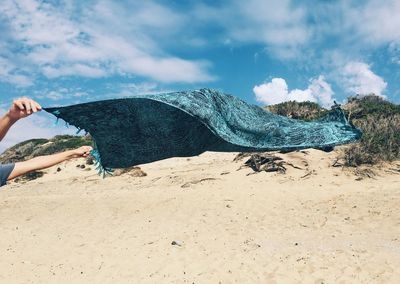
147, 128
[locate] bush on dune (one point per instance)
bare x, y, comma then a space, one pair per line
62, 143
380, 122
378, 119
298, 110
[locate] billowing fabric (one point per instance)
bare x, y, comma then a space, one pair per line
147, 128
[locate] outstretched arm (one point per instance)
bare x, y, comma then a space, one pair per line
5, 123
44, 162
19, 109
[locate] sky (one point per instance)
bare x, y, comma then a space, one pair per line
62, 52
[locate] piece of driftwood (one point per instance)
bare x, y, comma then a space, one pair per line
337, 163
307, 174
241, 156
293, 166
265, 162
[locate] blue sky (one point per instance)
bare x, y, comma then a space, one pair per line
63, 52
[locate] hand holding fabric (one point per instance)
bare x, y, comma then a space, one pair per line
83, 151
23, 107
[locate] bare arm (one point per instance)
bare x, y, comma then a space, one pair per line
44, 162
5, 123
20, 108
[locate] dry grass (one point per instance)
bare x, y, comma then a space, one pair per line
380, 141
378, 119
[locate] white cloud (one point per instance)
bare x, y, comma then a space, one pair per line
352, 30
272, 93
101, 40
59, 94
277, 91
322, 91
279, 24
73, 70
352, 26
107, 38
9, 74
302, 30
357, 78
123, 90
377, 21
52, 95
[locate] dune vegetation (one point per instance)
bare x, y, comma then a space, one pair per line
378, 119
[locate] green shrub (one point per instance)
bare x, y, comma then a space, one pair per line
380, 140
62, 143
360, 107
298, 110
379, 121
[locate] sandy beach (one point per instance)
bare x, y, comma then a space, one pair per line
201, 220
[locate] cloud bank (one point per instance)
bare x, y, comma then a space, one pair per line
101, 40
277, 91
357, 78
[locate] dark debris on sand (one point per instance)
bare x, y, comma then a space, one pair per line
266, 162
259, 162
29, 176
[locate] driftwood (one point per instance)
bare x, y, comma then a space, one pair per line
337, 163
241, 155
265, 162
307, 174
294, 166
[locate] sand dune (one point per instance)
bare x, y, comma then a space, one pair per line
200, 220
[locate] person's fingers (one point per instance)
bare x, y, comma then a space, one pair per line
85, 150
38, 106
27, 105
33, 106
19, 104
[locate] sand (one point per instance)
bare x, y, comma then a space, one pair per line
199, 220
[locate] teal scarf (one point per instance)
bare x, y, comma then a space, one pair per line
147, 128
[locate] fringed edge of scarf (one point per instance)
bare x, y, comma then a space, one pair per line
95, 154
